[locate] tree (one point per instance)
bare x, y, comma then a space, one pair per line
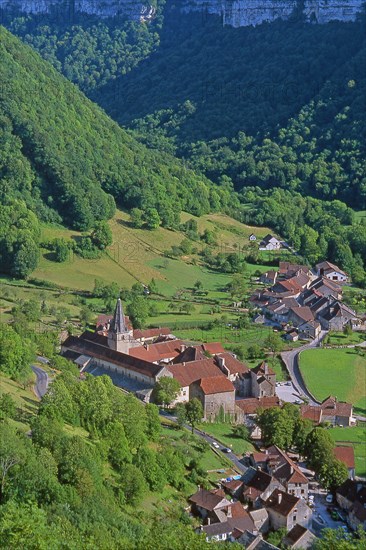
152, 218
12, 453
8, 407
119, 453
198, 286
153, 422
236, 287
187, 308
166, 391
277, 427
138, 311
146, 461
136, 218
132, 484
60, 250
254, 351
102, 236
180, 413
241, 431
273, 342
319, 448
16, 353
86, 315
333, 473
194, 412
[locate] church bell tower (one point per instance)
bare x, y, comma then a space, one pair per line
120, 337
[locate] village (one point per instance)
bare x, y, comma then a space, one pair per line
270, 489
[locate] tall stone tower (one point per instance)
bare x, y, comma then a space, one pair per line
120, 337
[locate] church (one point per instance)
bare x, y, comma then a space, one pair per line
136, 359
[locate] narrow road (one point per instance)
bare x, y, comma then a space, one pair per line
237, 464
41, 385
291, 360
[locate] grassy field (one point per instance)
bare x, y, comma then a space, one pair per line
340, 339
137, 255
338, 372
25, 400
357, 438
360, 215
224, 434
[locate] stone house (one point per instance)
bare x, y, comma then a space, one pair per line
216, 393
299, 537
325, 287
258, 487
300, 315
261, 520
263, 380
279, 465
336, 316
357, 516
269, 278
286, 511
309, 330
350, 493
206, 503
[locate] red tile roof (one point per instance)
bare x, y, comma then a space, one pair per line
251, 404
234, 365
216, 384
213, 348
151, 332
345, 454
263, 369
310, 412
187, 373
157, 352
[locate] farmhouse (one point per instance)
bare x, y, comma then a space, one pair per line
270, 243
331, 271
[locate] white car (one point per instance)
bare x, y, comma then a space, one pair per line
216, 445
227, 450
329, 498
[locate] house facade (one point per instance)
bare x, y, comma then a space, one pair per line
285, 511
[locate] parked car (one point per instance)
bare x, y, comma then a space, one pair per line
227, 450
329, 498
216, 445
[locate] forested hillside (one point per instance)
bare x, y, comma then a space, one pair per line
65, 160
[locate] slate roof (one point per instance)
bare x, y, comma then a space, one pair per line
86, 347
303, 313
328, 267
296, 534
353, 491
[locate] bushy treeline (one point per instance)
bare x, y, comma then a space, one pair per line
81, 488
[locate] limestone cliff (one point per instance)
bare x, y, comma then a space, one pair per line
242, 13
237, 13
139, 10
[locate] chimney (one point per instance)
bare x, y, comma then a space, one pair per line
229, 512
265, 368
182, 347
208, 521
279, 498
291, 470
184, 363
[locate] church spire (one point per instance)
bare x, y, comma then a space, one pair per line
118, 325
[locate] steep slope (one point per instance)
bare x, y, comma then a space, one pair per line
73, 157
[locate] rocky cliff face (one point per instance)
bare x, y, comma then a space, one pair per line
242, 13
139, 10
237, 13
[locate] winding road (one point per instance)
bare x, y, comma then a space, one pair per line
291, 360
42, 381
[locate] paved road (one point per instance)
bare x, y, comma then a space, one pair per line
41, 385
291, 360
237, 464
